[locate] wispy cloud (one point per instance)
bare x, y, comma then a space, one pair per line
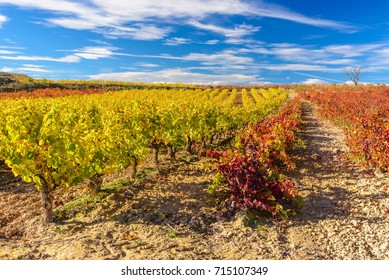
136, 31
319, 77
3, 19
279, 12
100, 42
313, 37
177, 41
32, 68
211, 42
226, 57
298, 67
88, 52
289, 57
330, 55
174, 41
242, 41
236, 32
353, 50
284, 57
377, 61
95, 52
7, 52
147, 65
373, 57
341, 61
179, 76
68, 59
289, 52
223, 58
153, 20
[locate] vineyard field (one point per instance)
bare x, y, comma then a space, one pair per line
60, 142
194, 172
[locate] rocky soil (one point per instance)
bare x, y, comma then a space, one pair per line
167, 213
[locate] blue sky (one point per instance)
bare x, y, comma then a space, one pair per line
196, 41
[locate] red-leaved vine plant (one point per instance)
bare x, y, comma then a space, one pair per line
252, 168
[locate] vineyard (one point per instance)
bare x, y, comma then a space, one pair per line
183, 163
363, 113
59, 142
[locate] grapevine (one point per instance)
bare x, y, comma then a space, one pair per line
83, 135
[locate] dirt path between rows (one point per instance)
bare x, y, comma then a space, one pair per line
169, 214
346, 215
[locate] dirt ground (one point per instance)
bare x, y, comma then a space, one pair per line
168, 214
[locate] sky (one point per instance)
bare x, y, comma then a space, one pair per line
237, 42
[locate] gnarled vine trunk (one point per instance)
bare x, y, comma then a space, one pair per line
189, 147
134, 168
171, 152
96, 182
46, 202
155, 151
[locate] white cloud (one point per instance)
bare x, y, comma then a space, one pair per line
6, 69
174, 41
280, 12
32, 69
341, 61
73, 23
25, 68
88, 52
137, 31
223, 58
298, 67
242, 41
10, 47
313, 37
377, 68
68, 7
226, 69
211, 42
236, 32
7, 52
330, 55
297, 53
32, 65
293, 57
291, 53
227, 58
151, 20
137, 10
100, 42
381, 57
95, 52
3, 19
177, 41
353, 50
69, 58
384, 51
314, 82
177, 76
147, 65
318, 77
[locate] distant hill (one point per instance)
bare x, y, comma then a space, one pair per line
10, 82
10, 78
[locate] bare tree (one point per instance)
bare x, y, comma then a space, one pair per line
354, 74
